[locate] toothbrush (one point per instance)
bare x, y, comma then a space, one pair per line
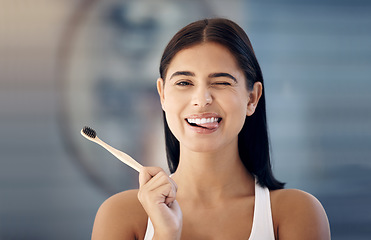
91, 135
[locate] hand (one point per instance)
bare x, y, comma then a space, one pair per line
157, 194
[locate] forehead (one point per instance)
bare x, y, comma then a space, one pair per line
206, 57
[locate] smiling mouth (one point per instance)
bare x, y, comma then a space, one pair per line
206, 123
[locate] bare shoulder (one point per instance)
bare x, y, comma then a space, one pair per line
120, 217
298, 215
293, 198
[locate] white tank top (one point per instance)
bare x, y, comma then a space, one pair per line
262, 226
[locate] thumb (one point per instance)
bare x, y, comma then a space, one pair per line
170, 198
147, 173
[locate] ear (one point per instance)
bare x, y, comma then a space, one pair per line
160, 90
254, 96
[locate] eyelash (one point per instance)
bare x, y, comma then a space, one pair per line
183, 83
223, 83
186, 83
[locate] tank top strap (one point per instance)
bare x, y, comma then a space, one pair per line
150, 230
262, 228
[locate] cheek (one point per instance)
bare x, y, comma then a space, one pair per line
170, 102
236, 103
175, 100
236, 111
172, 105
174, 123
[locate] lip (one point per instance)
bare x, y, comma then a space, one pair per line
203, 115
202, 130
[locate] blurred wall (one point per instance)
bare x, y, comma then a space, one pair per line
42, 193
66, 64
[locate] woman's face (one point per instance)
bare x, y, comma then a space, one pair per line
205, 98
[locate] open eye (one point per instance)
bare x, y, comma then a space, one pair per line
183, 83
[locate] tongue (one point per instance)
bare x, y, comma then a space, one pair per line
209, 125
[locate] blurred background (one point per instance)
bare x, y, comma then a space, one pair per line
67, 64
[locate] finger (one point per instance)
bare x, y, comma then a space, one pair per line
172, 193
167, 189
158, 180
149, 184
159, 189
147, 173
157, 195
163, 194
174, 184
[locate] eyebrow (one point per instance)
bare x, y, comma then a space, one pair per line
183, 73
222, 74
211, 75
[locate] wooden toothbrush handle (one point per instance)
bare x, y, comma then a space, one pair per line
129, 161
123, 157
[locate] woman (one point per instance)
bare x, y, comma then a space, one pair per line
222, 186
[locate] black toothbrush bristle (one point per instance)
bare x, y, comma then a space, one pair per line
89, 132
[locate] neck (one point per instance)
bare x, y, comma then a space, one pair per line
213, 176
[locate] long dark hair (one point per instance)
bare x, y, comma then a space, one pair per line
253, 142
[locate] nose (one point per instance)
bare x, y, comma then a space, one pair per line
202, 97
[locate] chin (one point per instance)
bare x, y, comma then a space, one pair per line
202, 147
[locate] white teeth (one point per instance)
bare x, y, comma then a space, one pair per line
202, 120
